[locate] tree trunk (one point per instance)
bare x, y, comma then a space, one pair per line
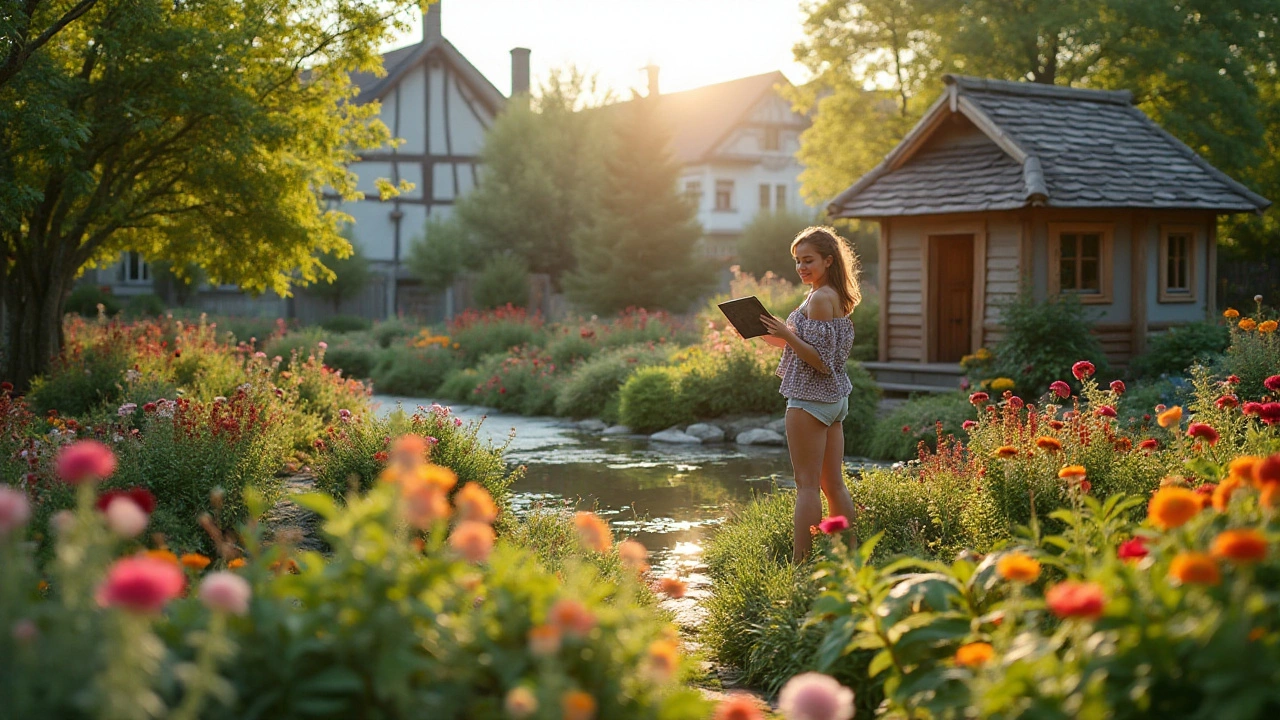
33, 323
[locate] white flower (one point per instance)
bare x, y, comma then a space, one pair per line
126, 409
125, 518
225, 592
814, 696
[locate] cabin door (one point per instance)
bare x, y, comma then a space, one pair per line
951, 295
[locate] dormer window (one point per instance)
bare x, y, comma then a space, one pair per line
1177, 263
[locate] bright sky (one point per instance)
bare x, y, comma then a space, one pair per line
695, 42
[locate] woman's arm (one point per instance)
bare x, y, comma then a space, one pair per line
774, 341
802, 349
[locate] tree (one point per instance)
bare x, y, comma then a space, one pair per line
765, 244
640, 249
350, 274
543, 168
192, 132
435, 256
26, 26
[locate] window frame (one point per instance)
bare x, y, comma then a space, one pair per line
143, 267
1193, 249
766, 195
728, 185
772, 141
693, 191
780, 198
1106, 260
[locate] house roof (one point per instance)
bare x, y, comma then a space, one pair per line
1042, 146
400, 61
700, 119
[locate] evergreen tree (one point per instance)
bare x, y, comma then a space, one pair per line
350, 274
641, 249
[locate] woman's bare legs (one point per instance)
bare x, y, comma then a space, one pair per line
838, 500
806, 441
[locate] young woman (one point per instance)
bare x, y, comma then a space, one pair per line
816, 340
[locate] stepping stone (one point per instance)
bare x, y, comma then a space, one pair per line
760, 436
592, 425
617, 430
675, 436
706, 432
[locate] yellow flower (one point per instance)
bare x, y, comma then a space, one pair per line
1001, 384
1193, 568
975, 654
1173, 506
1247, 324
1018, 567
1171, 417
1231, 313
1267, 326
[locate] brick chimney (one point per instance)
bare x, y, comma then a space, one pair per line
653, 80
431, 22
519, 71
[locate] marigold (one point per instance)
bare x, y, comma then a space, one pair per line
1268, 326
593, 532
1018, 567
1222, 493
1231, 313
236, 563
1049, 444
195, 561
475, 503
1001, 384
163, 554
1244, 545
572, 617
1267, 471
473, 540
1247, 324
1006, 452
544, 640
672, 587
1172, 507
1170, 417
577, 705
1193, 568
1072, 473
739, 706
975, 654
1072, 599
664, 659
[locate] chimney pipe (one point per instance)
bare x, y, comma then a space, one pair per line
519, 72
653, 80
431, 22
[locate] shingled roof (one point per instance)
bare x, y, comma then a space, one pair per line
1042, 146
398, 62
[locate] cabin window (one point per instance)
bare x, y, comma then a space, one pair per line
772, 139
766, 193
693, 192
133, 270
1177, 264
780, 202
724, 195
1080, 261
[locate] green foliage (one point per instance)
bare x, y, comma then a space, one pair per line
1253, 356
1042, 339
84, 300
296, 344
345, 323
737, 379
778, 296
864, 403
650, 400
478, 334
436, 256
639, 251
522, 381
592, 387
1172, 352
413, 372
866, 329
898, 435
350, 275
355, 361
765, 243
85, 378
389, 332
144, 306
568, 348
503, 281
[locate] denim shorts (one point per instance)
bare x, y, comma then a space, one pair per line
827, 413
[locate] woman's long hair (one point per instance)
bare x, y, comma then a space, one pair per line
843, 273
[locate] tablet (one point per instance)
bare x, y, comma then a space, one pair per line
744, 314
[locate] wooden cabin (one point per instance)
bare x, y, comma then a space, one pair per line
1069, 190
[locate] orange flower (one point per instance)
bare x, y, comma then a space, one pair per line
739, 706
1242, 467
974, 654
1270, 496
634, 555
163, 554
1170, 417
1240, 546
1172, 507
473, 540
1018, 567
195, 561
1257, 634
475, 503
577, 705
1247, 324
437, 475
593, 532
1072, 473
572, 616
1267, 471
409, 447
1193, 568
1006, 451
544, 640
1231, 313
236, 564
664, 658
423, 503
1049, 444
1268, 326
1222, 494
672, 587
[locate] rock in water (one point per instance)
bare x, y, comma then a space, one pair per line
760, 436
706, 432
675, 436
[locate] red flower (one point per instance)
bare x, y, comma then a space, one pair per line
1149, 444
1057, 424
85, 460
1227, 401
1204, 432
1134, 549
141, 584
1083, 369
1269, 413
1117, 387
1085, 486
1016, 402
142, 497
834, 524
1071, 599
149, 407
1251, 408
1060, 388
380, 456
1272, 383
1233, 379
969, 424
1105, 411
906, 429
979, 397
6, 386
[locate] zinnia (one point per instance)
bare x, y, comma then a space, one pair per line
664, 658
1172, 507
1268, 326
225, 592
125, 518
1227, 401
814, 696
1072, 473
1269, 413
141, 496
1272, 383
544, 640
423, 503
1245, 545
1247, 324
15, 510
577, 705
472, 540
1006, 452
141, 584
1267, 472
1073, 599
1117, 387
1221, 498
1105, 411
475, 503
974, 654
1049, 444
1193, 568
1133, 549
593, 532
739, 706
979, 397
1082, 369
1149, 444
1060, 388
1018, 567
1170, 417
1203, 431
969, 424
672, 587
834, 524
634, 554
85, 460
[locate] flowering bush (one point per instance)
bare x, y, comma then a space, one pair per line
522, 381
1254, 353
414, 372
476, 334
592, 386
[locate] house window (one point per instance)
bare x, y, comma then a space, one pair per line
766, 192
1080, 261
1177, 263
724, 195
780, 201
133, 270
693, 191
772, 139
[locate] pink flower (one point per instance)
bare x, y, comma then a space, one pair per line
834, 524
1071, 598
225, 592
969, 424
1204, 432
457, 422
322, 345
1117, 387
1060, 388
1105, 411
1015, 402
1082, 369
85, 460
1272, 383
125, 518
15, 510
979, 397
1134, 549
814, 696
141, 584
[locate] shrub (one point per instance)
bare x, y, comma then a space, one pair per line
322, 392
778, 296
1041, 340
477, 334
355, 361
82, 379
345, 323
522, 381
898, 435
144, 306
503, 281
864, 403
1254, 353
389, 332
413, 372
568, 348
458, 384
866, 327
649, 400
295, 344
727, 377
1171, 353
592, 387
84, 300
765, 243
257, 331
